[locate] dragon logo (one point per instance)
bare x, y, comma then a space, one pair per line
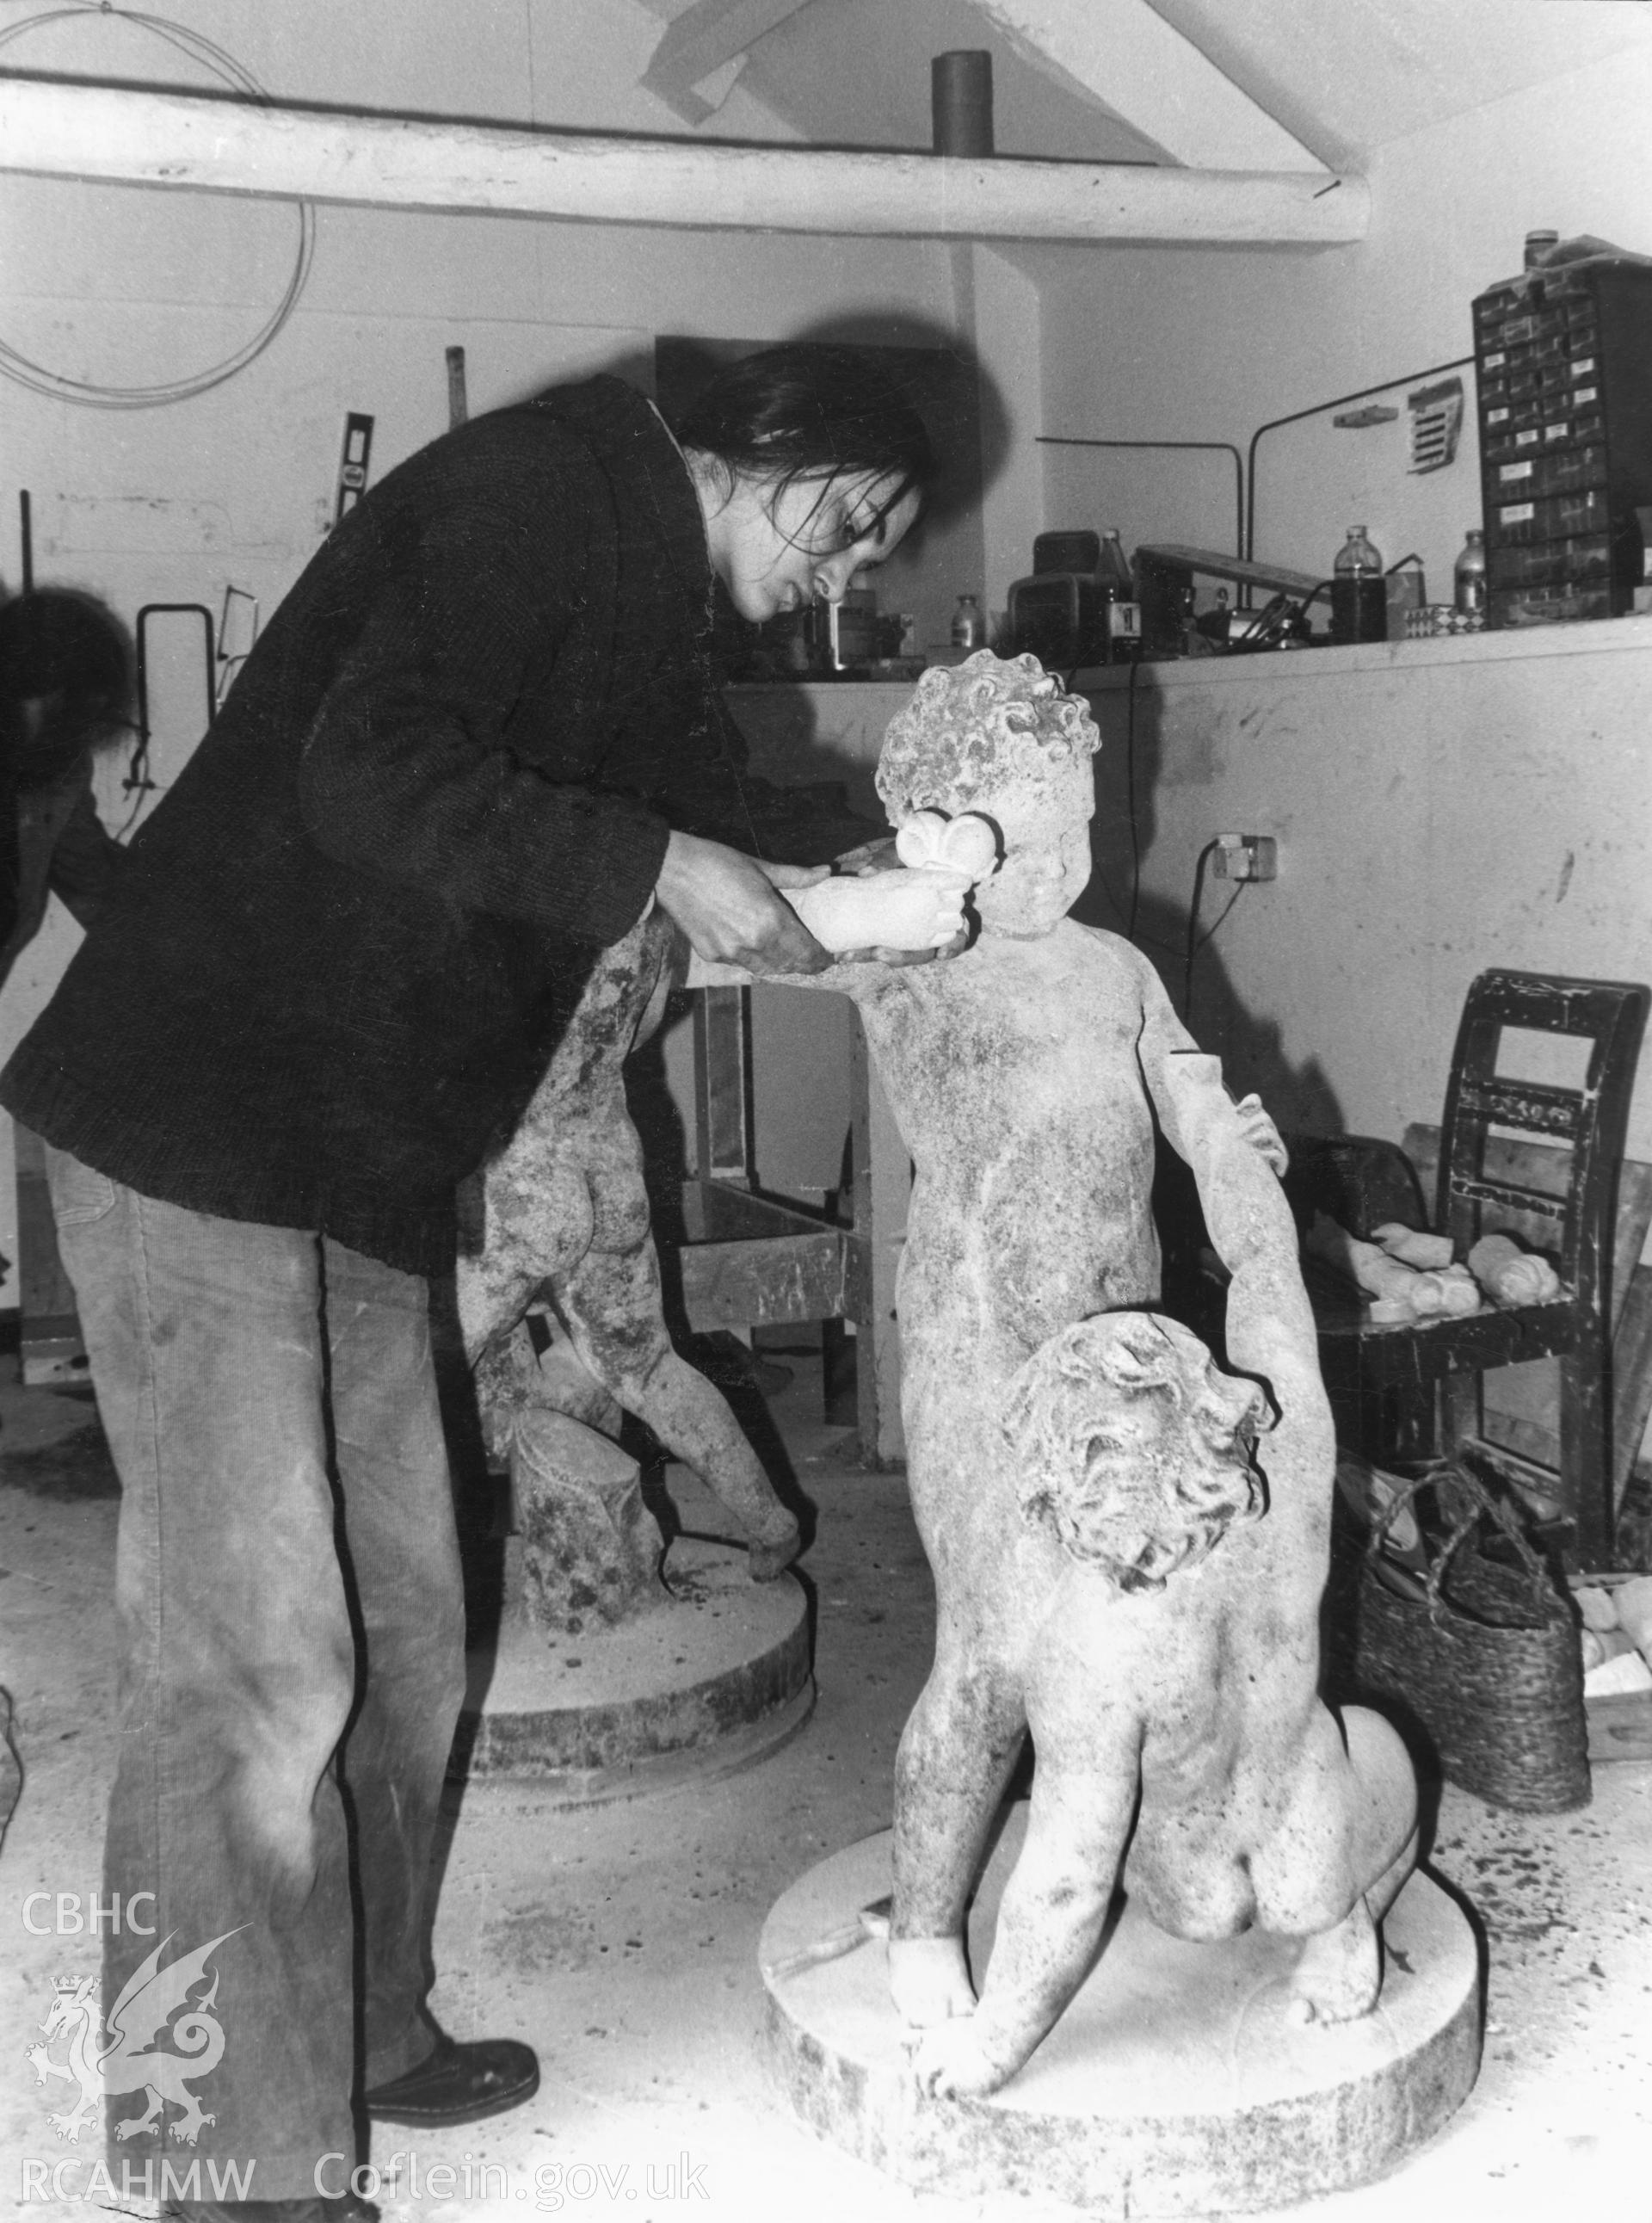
128, 2059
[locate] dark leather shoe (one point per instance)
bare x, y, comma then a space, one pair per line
346, 2209
459, 2083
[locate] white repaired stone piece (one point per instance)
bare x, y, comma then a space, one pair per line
1633, 1600
1597, 1607
1390, 1280
1451, 1289
1511, 1276
1623, 1673
904, 910
964, 844
1411, 1246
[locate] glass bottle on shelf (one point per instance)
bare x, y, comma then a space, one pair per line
1469, 578
969, 627
1359, 594
1114, 565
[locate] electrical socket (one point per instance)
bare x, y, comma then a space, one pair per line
1245, 857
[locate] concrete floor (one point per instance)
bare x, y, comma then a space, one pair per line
621, 1940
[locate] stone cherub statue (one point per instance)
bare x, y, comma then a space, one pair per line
1107, 1567
1169, 1667
560, 1216
559, 1220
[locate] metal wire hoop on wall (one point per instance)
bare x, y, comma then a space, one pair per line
55, 384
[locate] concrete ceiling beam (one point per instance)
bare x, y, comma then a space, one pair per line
53, 128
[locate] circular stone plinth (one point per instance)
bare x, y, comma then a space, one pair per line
1173, 2085
713, 1679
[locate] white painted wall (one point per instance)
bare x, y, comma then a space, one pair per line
1008, 332
236, 487
1440, 807
1426, 797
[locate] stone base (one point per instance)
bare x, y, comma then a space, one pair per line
1172, 2086
715, 1677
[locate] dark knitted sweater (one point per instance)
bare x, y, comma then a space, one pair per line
350, 936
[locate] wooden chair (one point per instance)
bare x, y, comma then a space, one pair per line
1439, 1363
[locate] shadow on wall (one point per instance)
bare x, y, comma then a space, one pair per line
1299, 1098
959, 401
1127, 771
634, 364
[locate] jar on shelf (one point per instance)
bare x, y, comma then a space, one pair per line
1359, 592
969, 627
1469, 576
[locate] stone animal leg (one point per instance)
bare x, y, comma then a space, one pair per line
611, 1303
959, 1745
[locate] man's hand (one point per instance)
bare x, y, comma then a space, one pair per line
871, 857
727, 906
959, 942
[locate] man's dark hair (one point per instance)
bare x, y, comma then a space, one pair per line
812, 411
67, 652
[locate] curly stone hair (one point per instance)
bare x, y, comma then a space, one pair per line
970, 727
1174, 1510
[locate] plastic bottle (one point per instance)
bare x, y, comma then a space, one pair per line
969, 627
1123, 611
1359, 595
1469, 577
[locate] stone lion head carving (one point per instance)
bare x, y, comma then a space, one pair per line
974, 728
1136, 1444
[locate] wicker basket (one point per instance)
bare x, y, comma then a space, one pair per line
1487, 1659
